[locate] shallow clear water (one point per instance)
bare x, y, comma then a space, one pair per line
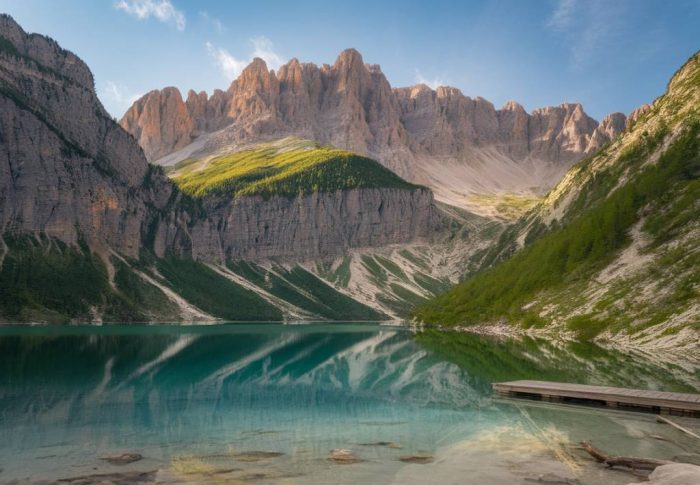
189, 399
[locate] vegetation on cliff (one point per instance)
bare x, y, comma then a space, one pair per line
622, 224
288, 167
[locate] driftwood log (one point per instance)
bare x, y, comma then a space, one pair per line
624, 461
661, 419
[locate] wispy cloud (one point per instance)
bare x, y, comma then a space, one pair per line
263, 48
563, 15
231, 66
588, 27
431, 83
213, 21
117, 98
162, 10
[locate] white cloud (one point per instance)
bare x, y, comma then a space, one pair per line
231, 66
589, 28
263, 48
162, 10
227, 63
216, 23
431, 83
117, 98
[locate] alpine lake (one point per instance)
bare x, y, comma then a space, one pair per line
315, 404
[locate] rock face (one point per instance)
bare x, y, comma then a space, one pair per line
69, 172
171, 123
308, 227
66, 169
351, 105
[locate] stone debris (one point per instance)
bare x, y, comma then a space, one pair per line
122, 458
344, 456
421, 459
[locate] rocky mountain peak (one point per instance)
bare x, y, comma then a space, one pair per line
349, 74
192, 94
635, 114
348, 59
294, 74
171, 92
255, 77
161, 118
612, 125
614, 122
45, 52
448, 92
417, 89
513, 106
351, 105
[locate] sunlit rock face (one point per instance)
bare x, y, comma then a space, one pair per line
67, 170
314, 226
413, 131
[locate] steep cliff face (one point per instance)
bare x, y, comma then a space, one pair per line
413, 131
312, 227
297, 199
67, 170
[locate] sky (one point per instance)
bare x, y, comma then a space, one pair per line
608, 55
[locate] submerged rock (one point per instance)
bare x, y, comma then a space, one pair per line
251, 456
344, 456
387, 444
122, 459
420, 459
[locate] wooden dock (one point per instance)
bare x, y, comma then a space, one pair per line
617, 397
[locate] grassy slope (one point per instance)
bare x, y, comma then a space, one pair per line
304, 290
47, 281
562, 260
213, 293
288, 167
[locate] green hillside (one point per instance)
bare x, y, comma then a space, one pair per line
641, 195
288, 167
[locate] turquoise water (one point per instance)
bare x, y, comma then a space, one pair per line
190, 400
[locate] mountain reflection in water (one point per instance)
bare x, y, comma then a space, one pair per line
217, 398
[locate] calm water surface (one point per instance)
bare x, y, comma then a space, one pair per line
195, 401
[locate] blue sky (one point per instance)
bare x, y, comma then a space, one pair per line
608, 55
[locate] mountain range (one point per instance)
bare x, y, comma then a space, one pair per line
460, 147
92, 232
322, 193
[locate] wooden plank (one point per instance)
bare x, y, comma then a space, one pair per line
609, 395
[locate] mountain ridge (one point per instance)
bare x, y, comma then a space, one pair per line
456, 145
